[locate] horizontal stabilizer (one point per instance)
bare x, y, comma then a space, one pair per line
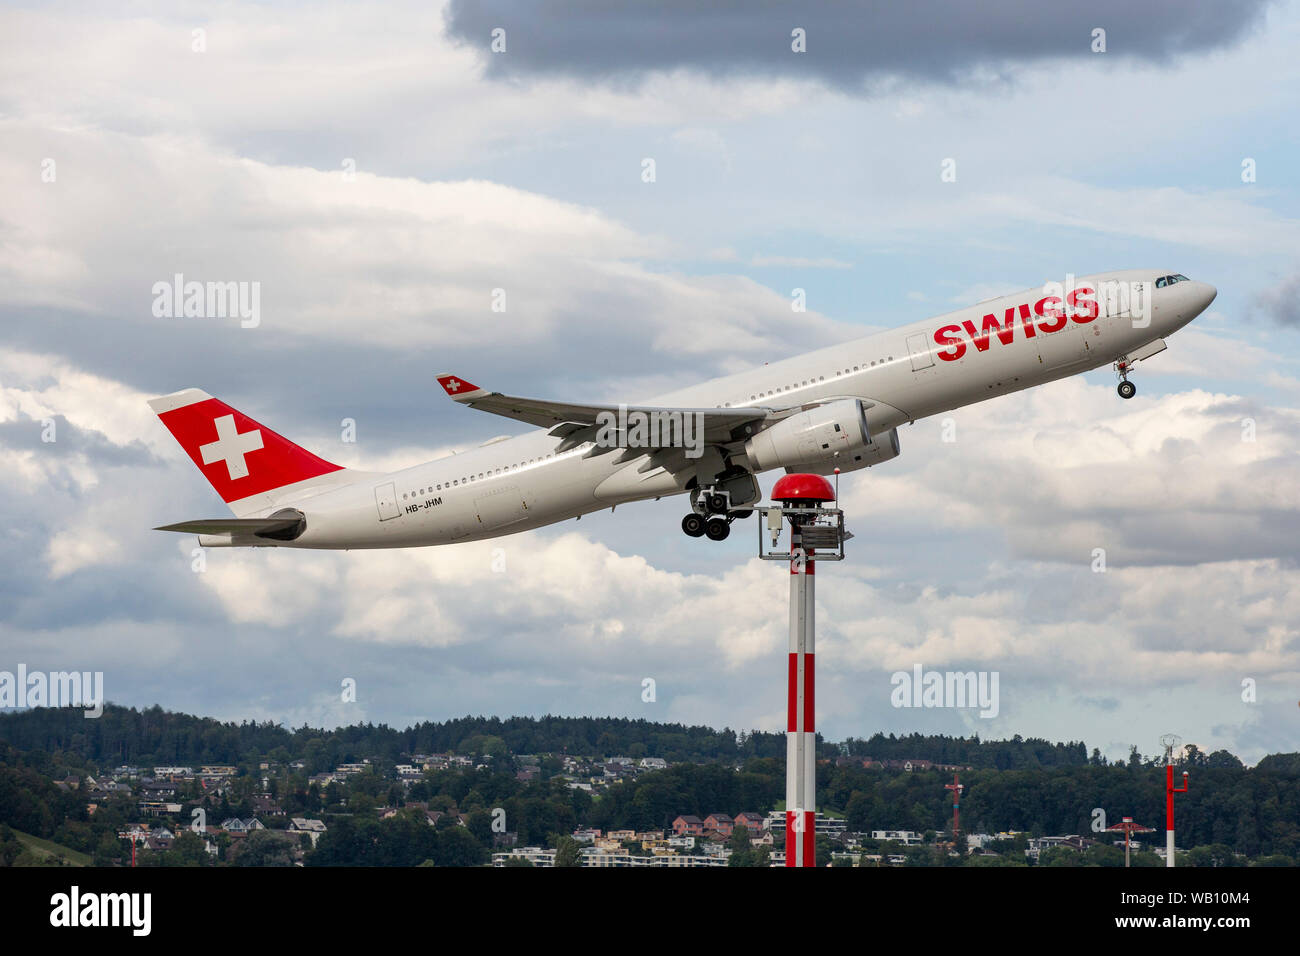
284, 528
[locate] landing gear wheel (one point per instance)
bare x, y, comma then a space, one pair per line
693, 525
717, 529
1126, 389
716, 503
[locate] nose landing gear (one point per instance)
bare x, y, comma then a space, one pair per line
1125, 388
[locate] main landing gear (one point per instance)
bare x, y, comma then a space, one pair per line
1125, 388
717, 527
712, 515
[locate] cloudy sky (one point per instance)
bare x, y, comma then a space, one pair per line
380, 170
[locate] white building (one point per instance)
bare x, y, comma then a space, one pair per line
536, 855
775, 821
313, 828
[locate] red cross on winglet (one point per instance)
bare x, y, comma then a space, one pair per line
455, 385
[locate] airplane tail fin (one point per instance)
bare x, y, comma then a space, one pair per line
251, 467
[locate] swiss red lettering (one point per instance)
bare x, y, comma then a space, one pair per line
979, 339
1052, 315
1083, 304
1026, 319
1052, 311
1006, 331
948, 336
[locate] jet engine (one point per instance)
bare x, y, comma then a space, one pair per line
822, 439
880, 448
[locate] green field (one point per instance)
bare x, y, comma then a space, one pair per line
50, 851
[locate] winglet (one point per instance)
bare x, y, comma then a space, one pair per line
457, 387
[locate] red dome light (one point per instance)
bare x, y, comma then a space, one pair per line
803, 488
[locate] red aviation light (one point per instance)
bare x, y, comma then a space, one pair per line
803, 487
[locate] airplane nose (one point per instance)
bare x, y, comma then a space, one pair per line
1206, 294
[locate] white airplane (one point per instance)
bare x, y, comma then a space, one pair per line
838, 407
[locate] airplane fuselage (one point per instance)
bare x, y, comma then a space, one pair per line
902, 375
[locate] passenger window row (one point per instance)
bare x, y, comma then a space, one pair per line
456, 482
814, 381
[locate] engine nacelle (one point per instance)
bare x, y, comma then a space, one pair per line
820, 440
879, 448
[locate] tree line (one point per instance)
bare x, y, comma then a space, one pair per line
153, 736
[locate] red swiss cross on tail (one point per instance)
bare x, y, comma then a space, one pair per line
239, 457
457, 387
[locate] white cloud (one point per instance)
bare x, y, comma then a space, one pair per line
1066, 468
36, 386
396, 263
799, 262
78, 547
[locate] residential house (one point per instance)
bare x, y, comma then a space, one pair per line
266, 806
313, 828
688, 825
720, 823
236, 825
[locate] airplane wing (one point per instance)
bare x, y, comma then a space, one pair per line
577, 424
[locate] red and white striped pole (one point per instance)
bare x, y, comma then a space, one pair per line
1170, 790
801, 735
812, 526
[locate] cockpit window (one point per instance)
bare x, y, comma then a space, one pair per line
1181, 278
1170, 280
1162, 282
